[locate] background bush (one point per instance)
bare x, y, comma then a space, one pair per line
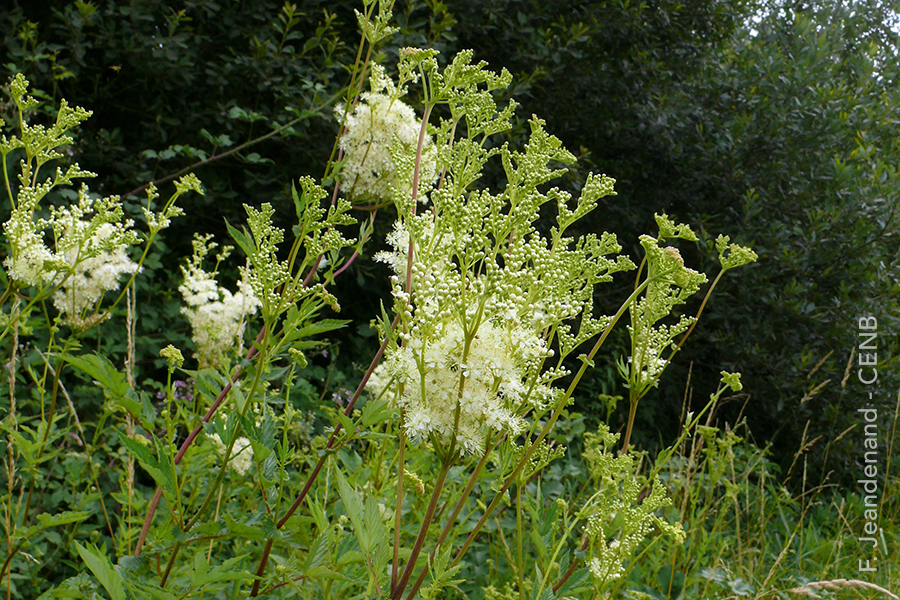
772, 119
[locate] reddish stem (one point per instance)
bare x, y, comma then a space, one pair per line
453, 515
397, 592
191, 437
315, 473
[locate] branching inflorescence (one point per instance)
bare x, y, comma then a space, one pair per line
492, 305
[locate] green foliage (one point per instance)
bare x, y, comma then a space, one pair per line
793, 140
455, 468
478, 274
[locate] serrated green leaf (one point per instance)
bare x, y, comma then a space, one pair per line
209, 382
103, 570
102, 371
269, 467
252, 531
262, 436
294, 331
318, 552
350, 558
376, 411
148, 411
203, 574
62, 518
353, 504
326, 573
142, 591
318, 514
132, 564
161, 471
347, 423
47, 521
579, 583
130, 402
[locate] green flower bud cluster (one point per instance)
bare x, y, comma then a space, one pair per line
480, 292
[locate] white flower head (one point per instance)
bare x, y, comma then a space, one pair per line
378, 122
492, 397
217, 316
241, 454
98, 265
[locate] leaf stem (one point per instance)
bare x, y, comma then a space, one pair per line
397, 592
145, 529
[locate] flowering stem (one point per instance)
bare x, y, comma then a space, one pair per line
697, 318
632, 412
12, 199
140, 262
169, 565
264, 559
397, 591
356, 252
418, 167
190, 438
354, 90
216, 486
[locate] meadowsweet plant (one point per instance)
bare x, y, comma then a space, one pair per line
427, 481
488, 310
69, 257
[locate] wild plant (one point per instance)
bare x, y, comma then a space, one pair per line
443, 443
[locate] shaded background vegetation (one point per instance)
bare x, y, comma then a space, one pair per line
774, 122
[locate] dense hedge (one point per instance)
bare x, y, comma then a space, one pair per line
779, 126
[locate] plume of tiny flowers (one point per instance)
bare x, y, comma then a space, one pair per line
456, 383
92, 276
241, 454
217, 316
378, 122
494, 366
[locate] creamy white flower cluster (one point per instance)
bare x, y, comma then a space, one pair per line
217, 316
88, 258
457, 381
457, 391
380, 120
92, 277
478, 312
241, 454
82, 231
